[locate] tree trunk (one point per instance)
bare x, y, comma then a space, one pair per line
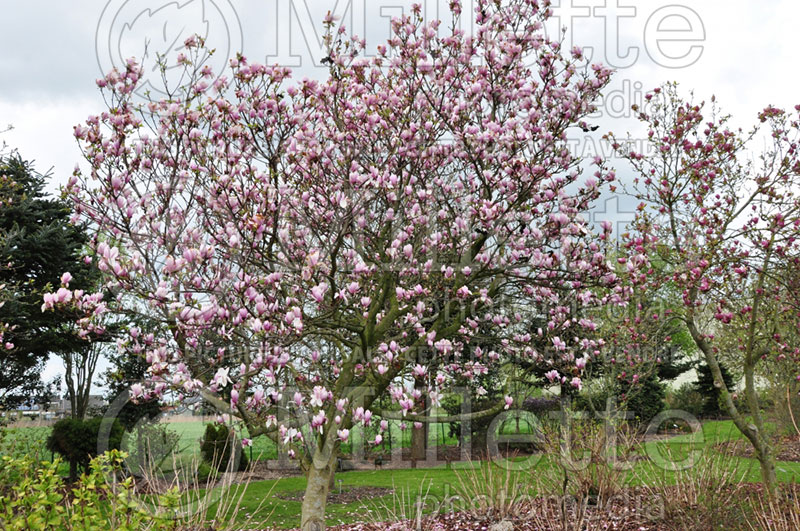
419, 436
332, 481
73, 471
762, 444
754, 431
319, 475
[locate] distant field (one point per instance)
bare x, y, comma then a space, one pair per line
29, 440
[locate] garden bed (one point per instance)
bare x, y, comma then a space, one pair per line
786, 448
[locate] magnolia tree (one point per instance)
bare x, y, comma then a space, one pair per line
311, 246
723, 223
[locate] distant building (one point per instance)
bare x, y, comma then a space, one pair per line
55, 409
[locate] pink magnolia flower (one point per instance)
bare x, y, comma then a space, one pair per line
290, 434
137, 391
318, 292
558, 344
318, 421
319, 396
49, 301
406, 404
222, 377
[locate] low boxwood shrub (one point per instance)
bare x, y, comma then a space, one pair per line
219, 445
76, 441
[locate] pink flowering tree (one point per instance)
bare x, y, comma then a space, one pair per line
723, 221
289, 237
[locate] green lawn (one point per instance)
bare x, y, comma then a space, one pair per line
192, 432
435, 484
439, 483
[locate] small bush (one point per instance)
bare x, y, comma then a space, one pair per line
705, 495
204, 472
646, 400
219, 445
149, 446
541, 406
686, 398
38, 501
20, 442
33, 496
76, 441
643, 401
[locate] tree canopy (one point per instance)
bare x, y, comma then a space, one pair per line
316, 245
38, 246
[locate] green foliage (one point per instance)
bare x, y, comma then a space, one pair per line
76, 440
686, 398
18, 442
128, 368
712, 405
643, 401
34, 497
220, 445
204, 472
37, 245
646, 400
149, 445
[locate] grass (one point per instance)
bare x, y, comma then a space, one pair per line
441, 482
434, 484
191, 432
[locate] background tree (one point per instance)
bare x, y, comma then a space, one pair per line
288, 236
712, 395
37, 245
79, 368
76, 441
646, 346
722, 222
125, 370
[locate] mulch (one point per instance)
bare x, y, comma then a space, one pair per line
540, 514
786, 448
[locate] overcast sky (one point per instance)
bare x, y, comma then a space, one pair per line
742, 51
